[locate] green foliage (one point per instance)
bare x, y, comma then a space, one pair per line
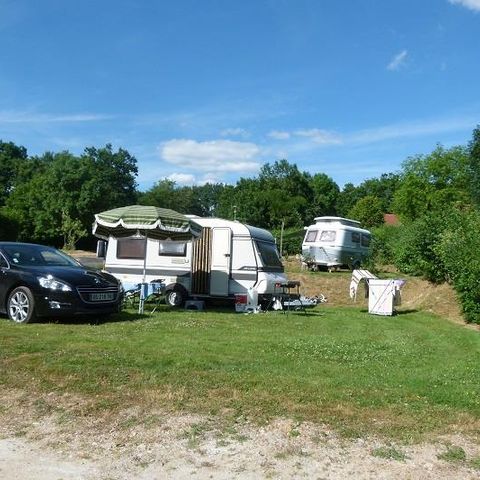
72, 231
385, 240
383, 188
433, 182
281, 193
416, 252
368, 211
291, 242
11, 158
166, 194
8, 226
458, 246
325, 196
59, 184
473, 167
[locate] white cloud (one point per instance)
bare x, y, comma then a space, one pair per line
190, 179
278, 135
322, 137
211, 156
26, 117
411, 129
234, 132
470, 4
182, 178
398, 61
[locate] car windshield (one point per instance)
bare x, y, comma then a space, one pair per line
37, 256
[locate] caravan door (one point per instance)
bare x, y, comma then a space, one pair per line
221, 261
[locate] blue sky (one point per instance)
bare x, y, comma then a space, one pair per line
209, 90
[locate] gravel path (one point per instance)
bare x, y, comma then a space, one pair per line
181, 447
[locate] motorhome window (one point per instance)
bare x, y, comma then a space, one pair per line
131, 248
365, 240
172, 249
269, 254
328, 236
311, 236
355, 237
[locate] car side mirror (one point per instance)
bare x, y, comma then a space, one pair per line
101, 249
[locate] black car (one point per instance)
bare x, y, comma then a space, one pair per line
38, 281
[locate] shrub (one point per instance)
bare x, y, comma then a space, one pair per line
458, 247
384, 241
415, 251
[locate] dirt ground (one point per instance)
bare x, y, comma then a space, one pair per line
162, 445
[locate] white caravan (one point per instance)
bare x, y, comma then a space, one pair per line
334, 242
227, 258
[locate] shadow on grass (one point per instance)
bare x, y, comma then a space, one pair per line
93, 319
396, 313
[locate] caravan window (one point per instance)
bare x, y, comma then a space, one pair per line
328, 236
172, 249
355, 237
365, 240
311, 236
131, 248
269, 254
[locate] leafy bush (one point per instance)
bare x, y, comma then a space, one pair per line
384, 241
415, 251
458, 247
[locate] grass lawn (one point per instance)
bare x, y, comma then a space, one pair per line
405, 377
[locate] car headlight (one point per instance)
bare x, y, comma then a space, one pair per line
52, 284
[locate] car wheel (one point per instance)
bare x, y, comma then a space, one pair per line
21, 305
175, 297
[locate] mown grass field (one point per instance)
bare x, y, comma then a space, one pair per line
407, 376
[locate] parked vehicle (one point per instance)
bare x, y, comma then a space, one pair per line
335, 242
39, 281
227, 258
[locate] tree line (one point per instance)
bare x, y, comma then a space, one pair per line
52, 199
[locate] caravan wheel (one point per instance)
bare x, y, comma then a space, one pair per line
175, 297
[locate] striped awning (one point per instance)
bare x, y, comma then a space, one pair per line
154, 222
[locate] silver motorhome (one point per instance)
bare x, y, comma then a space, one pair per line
334, 242
228, 258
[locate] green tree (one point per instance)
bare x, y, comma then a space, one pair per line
207, 198
368, 211
433, 182
75, 187
325, 194
457, 246
347, 198
473, 166
11, 158
166, 194
72, 230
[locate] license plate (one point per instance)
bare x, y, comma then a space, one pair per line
101, 297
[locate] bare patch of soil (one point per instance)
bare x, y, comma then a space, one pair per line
135, 444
